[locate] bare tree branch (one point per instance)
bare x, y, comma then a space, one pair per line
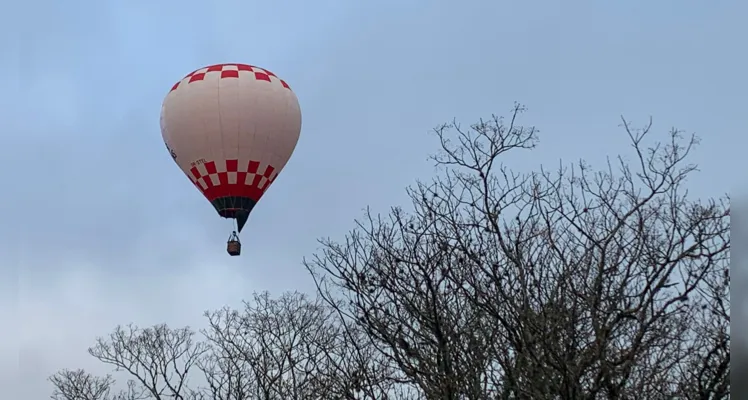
81, 385
572, 284
159, 359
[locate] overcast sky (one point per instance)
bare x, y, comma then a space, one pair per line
99, 227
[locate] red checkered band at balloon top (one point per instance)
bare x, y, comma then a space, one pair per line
230, 71
249, 182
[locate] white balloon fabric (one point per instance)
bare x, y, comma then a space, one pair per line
231, 128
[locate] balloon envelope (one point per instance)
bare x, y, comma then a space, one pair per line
231, 128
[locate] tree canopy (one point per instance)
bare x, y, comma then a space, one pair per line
573, 283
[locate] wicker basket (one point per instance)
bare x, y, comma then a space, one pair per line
233, 247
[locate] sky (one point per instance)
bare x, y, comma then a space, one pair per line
98, 226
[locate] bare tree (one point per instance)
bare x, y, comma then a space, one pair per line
277, 342
290, 347
357, 369
576, 284
706, 374
226, 377
160, 359
81, 385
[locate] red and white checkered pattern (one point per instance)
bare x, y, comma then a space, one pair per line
227, 71
230, 178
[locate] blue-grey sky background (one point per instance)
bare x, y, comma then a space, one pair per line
99, 227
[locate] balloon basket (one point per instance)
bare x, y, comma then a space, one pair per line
234, 248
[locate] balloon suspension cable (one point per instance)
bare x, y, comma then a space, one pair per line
233, 236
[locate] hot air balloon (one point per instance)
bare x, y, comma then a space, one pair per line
231, 128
